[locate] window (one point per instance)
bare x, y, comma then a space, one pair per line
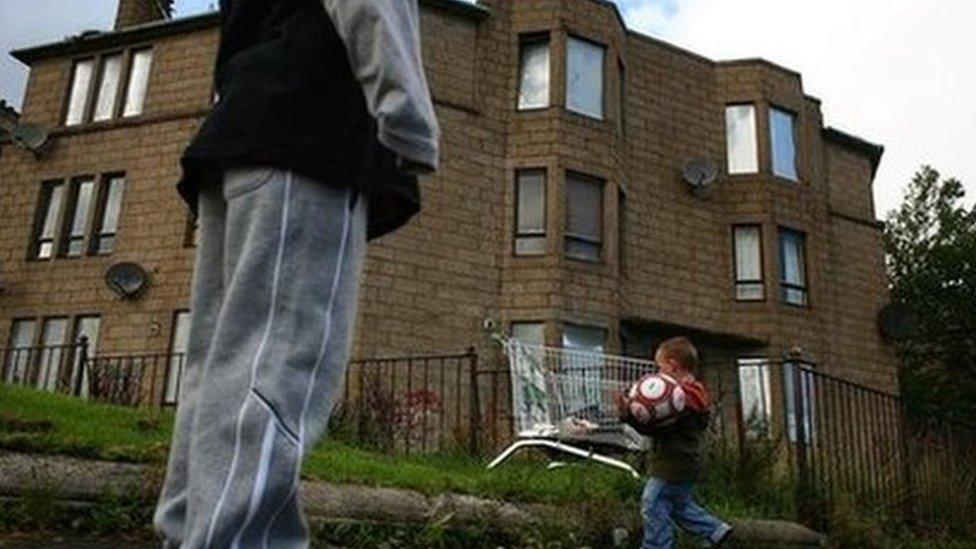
755, 397
584, 77
747, 249
104, 77
582, 395
534, 73
177, 361
109, 208
621, 229
49, 212
530, 333
584, 338
584, 217
792, 267
782, 139
792, 374
621, 97
80, 89
108, 87
740, 136
19, 350
85, 327
80, 200
530, 213
54, 332
135, 95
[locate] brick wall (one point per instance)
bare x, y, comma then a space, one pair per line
429, 287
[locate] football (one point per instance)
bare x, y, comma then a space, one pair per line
656, 400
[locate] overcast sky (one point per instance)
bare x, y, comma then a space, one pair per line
896, 72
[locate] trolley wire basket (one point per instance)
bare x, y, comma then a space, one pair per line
563, 400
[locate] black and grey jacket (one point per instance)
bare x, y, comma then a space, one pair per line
333, 89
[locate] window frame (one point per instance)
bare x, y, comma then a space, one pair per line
600, 241
621, 96
526, 39
57, 350
756, 161
784, 285
602, 117
10, 357
736, 281
100, 208
516, 230
86, 108
128, 55
131, 53
541, 323
622, 205
795, 118
40, 220
765, 368
792, 375
70, 212
98, 75
167, 399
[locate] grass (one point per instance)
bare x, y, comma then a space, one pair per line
36, 422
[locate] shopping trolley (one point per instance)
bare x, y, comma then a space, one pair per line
562, 399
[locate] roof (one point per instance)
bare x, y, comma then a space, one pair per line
95, 40
872, 151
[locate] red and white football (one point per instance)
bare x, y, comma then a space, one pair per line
656, 399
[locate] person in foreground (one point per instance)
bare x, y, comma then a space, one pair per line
676, 456
322, 122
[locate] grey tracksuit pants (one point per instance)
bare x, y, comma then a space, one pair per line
273, 302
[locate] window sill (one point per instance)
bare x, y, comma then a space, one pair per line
126, 122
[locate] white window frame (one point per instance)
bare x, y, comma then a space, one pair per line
178, 346
755, 397
79, 91
746, 288
741, 139
137, 82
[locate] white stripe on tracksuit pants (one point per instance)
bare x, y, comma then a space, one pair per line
273, 302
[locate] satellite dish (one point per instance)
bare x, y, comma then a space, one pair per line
29, 136
700, 173
128, 280
897, 322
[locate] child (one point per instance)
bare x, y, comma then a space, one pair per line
676, 456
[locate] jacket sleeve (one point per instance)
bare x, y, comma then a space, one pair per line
382, 39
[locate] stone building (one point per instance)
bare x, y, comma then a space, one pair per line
561, 212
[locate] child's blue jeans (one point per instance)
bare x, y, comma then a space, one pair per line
665, 501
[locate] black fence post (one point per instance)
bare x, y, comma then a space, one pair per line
906, 460
82, 351
800, 445
474, 422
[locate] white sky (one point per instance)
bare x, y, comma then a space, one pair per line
896, 72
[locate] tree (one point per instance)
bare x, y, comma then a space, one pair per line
930, 241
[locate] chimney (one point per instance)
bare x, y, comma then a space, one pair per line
138, 12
